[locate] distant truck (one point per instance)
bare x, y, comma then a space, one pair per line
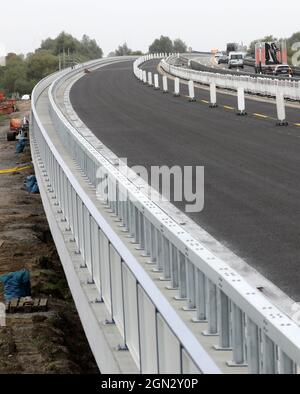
231, 47
269, 55
236, 60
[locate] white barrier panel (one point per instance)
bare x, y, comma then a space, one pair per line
241, 101
165, 84
156, 82
131, 313
117, 290
144, 77
188, 366
191, 91
96, 255
167, 345
148, 334
150, 83
280, 104
105, 271
213, 95
176, 87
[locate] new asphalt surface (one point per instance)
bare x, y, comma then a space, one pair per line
252, 185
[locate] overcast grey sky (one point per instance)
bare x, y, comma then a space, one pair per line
201, 24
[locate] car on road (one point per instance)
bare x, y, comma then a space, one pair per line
223, 59
236, 60
218, 55
283, 70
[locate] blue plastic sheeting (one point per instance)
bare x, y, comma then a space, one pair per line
16, 285
20, 146
31, 184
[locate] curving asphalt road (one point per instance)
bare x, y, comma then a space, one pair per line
252, 185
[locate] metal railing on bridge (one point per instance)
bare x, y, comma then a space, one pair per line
244, 322
158, 340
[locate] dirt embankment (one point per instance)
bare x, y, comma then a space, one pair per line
50, 342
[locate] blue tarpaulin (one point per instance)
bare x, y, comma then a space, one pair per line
31, 184
16, 284
20, 145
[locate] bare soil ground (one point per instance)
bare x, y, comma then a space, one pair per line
52, 342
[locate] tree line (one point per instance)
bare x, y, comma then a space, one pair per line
163, 44
21, 73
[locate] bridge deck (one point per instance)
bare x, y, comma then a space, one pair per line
252, 189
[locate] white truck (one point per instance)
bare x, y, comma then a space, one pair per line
236, 60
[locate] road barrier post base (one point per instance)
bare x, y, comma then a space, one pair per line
192, 100
241, 113
282, 123
208, 334
123, 348
198, 321
211, 105
176, 95
222, 349
165, 91
108, 322
232, 364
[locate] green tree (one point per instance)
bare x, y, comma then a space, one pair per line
15, 70
72, 48
24, 86
48, 45
123, 50
41, 64
66, 42
179, 46
161, 45
137, 53
20, 74
90, 49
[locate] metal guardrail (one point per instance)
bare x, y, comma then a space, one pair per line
253, 85
157, 338
259, 334
241, 317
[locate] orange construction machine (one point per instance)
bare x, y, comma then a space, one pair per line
7, 106
19, 128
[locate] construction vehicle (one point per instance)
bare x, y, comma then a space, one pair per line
268, 55
7, 106
19, 128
